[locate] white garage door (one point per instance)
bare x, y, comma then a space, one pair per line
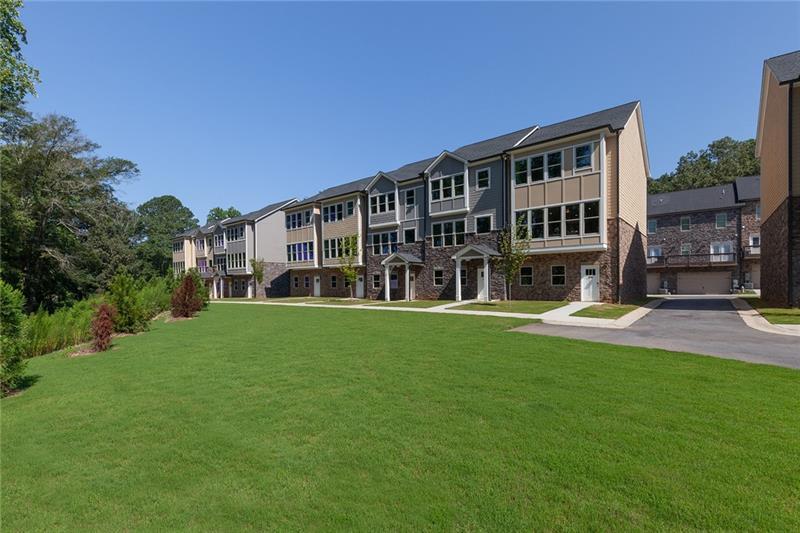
704, 282
653, 282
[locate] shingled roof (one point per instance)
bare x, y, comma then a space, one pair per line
717, 197
786, 67
748, 188
252, 216
337, 190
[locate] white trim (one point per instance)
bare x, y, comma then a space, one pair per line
603, 186
441, 157
460, 211
379, 175
475, 223
526, 136
551, 275
643, 139
433, 277
464, 195
479, 170
281, 208
575, 167
468, 248
566, 249
383, 225
596, 268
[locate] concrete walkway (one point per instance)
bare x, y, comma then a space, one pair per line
709, 326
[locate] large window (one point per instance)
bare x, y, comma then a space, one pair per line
236, 261
483, 224
558, 275
300, 251
526, 276
381, 203
483, 178
332, 213
721, 251
383, 243
219, 240
236, 233
448, 233
569, 220
554, 221
177, 246
332, 248
200, 244
538, 168
447, 187
299, 219
410, 197
583, 156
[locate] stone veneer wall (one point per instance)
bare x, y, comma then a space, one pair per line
275, 283
340, 291
374, 267
775, 256
301, 289
633, 247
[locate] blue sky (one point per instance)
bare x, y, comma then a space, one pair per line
250, 103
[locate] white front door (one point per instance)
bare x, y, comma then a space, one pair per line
482, 284
412, 284
360, 287
316, 286
590, 287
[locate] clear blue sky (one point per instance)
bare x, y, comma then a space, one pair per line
250, 103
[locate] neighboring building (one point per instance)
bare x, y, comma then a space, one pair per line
778, 147
222, 250
704, 241
576, 190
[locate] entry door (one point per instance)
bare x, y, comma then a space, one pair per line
482, 292
316, 286
590, 288
360, 287
412, 286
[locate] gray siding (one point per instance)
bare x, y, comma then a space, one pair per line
412, 216
445, 167
381, 186
486, 201
270, 238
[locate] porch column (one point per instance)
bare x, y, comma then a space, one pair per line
408, 282
458, 280
250, 289
222, 287
487, 278
387, 284
213, 288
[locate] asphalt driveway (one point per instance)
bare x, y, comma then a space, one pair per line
709, 326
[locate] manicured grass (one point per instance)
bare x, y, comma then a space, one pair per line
256, 417
424, 304
295, 299
776, 315
514, 306
610, 311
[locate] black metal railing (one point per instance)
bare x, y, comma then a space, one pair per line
692, 260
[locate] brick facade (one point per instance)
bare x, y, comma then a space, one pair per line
776, 257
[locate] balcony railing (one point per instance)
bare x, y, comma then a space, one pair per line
752, 251
692, 260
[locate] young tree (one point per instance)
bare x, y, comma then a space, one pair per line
12, 364
257, 266
348, 260
185, 299
200, 287
512, 255
103, 327
218, 213
123, 295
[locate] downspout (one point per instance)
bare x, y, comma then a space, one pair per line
790, 218
619, 223
424, 216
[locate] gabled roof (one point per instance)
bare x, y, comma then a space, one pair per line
480, 249
252, 216
717, 197
337, 190
402, 257
748, 188
494, 146
785, 67
439, 158
411, 170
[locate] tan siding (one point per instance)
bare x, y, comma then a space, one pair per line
796, 141
572, 190
774, 149
590, 186
611, 183
632, 176
341, 228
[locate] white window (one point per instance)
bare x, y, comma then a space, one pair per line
554, 221
572, 219
447, 187
300, 251
381, 203
410, 236
350, 208
483, 224
200, 244
755, 239
591, 218
537, 168
583, 156
686, 223
410, 197
448, 233
438, 277
558, 275
332, 213
721, 220
526, 276
332, 248
376, 281
686, 248
383, 243
721, 252
758, 211
299, 219
177, 246
652, 225
653, 251
235, 233
483, 178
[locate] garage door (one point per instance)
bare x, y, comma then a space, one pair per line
653, 282
704, 282
755, 276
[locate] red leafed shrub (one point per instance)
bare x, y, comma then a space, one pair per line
185, 299
103, 326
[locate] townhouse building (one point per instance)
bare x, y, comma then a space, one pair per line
778, 147
705, 241
222, 251
572, 193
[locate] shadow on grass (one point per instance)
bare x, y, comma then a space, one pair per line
24, 383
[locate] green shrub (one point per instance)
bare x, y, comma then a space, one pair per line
155, 296
44, 333
130, 311
12, 365
200, 286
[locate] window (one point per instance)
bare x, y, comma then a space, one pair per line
447, 187
653, 251
483, 224
438, 277
554, 221
758, 211
177, 246
410, 236
721, 252
755, 239
236, 233
332, 248
306, 282
299, 219
686, 248
200, 244
376, 281
346, 283
652, 225
236, 261
521, 171
384, 243
722, 220
583, 156
332, 213
300, 251
333, 282
307, 217
591, 218
686, 223
483, 178
448, 233
296, 282
219, 240
522, 225
537, 168
350, 207
554, 165
526, 276
381, 203
463, 277
410, 197
558, 276
572, 217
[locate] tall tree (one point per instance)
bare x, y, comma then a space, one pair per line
60, 224
159, 220
720, 162
17, 78
218, 213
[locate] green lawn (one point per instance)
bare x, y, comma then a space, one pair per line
256, 417
514, 306
610, 311
776, 315
424, 304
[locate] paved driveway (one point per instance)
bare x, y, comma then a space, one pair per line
708, 326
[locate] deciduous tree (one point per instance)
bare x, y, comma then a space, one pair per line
219, 213
512, 255
348, 260
159, 220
